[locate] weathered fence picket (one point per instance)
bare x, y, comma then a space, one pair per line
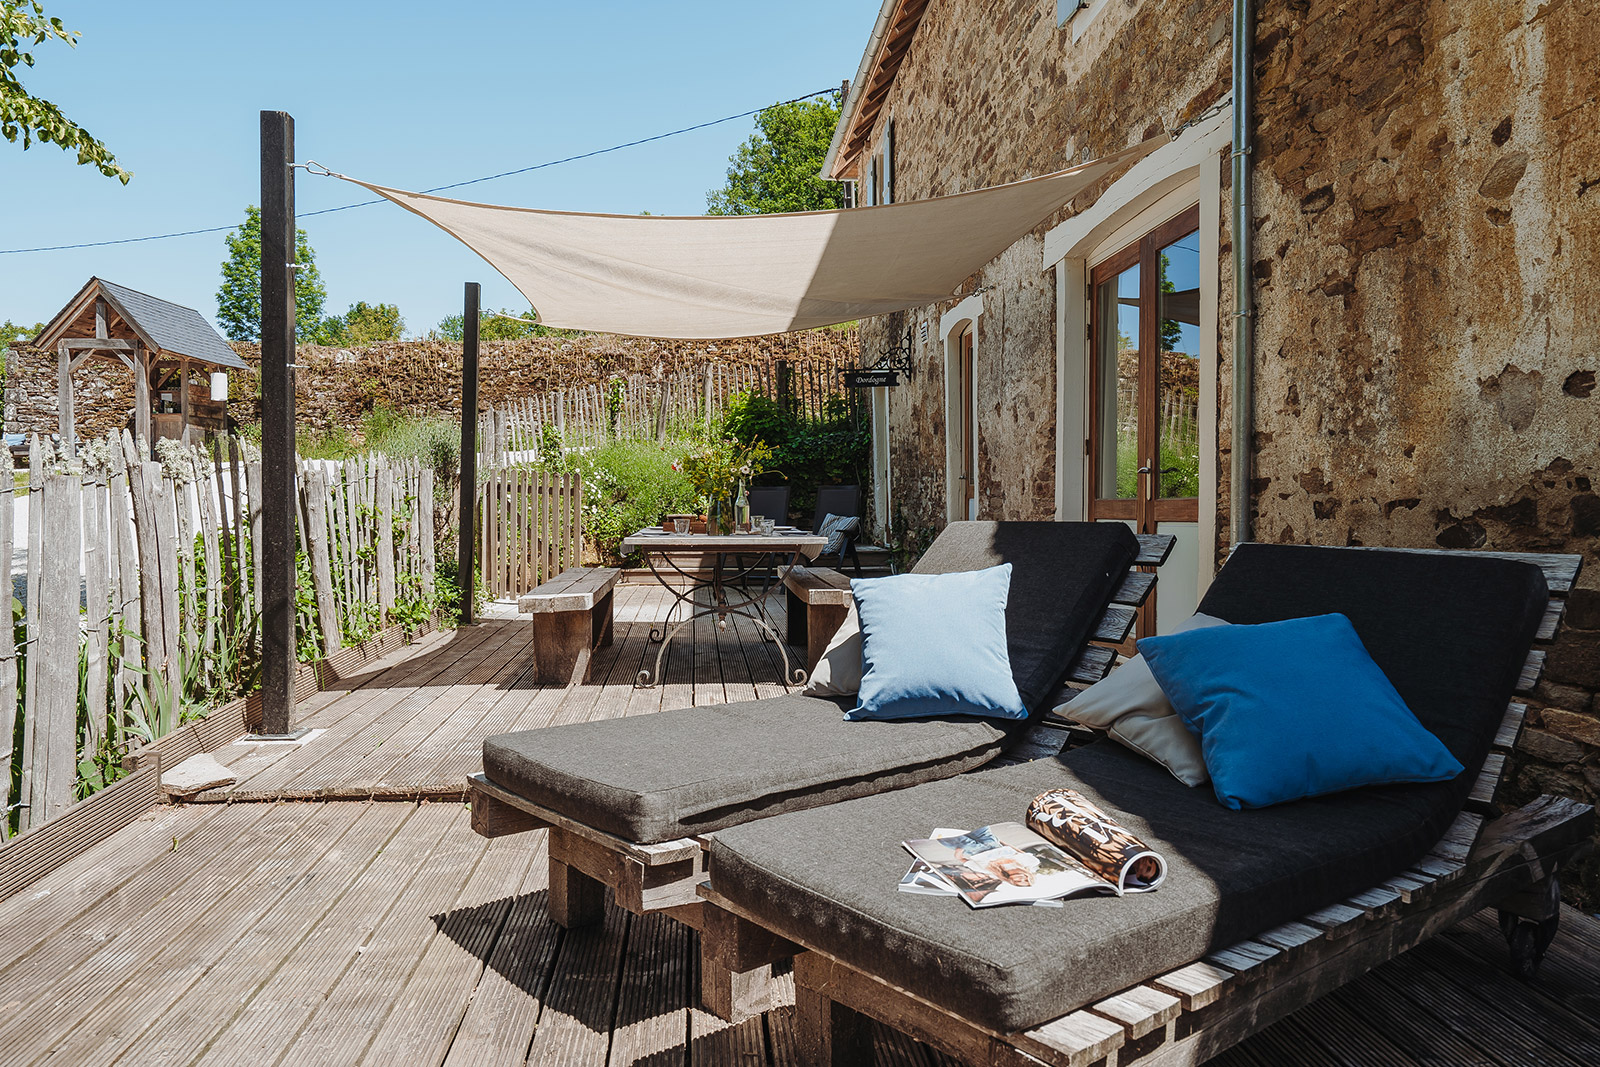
531, 528
8, 646
142, 593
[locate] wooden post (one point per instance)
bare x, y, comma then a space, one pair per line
384, 512
277, 423
8, 647
469, 445
141, 398
120, 500
64, 396
54, 704
183, 399
29, 817
96, 580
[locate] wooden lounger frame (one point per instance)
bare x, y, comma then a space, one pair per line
736, 956
1191, 1014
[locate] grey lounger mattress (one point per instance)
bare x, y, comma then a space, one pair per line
679, 773
1451, 633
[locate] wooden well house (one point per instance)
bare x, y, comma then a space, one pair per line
178, 361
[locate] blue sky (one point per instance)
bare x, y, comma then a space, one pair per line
404, 93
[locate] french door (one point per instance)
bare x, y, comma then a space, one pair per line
968, 436
1144, 425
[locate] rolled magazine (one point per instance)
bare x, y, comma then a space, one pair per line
1069, 848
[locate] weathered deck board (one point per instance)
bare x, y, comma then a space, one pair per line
356, 931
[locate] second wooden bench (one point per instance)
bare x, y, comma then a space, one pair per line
571, 618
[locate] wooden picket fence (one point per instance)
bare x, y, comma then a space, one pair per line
640, 407
143, 594
367, 531
530, 528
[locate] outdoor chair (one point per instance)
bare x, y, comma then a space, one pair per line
771, 501
845, 501
1262, 910
768, 501
628, 799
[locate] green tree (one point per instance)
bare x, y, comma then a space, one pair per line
239, 297
15, 333
23, 23
364, 324
500, 325
779, 167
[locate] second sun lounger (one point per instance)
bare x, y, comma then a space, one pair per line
1247, 892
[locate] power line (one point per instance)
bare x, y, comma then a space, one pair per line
435, 189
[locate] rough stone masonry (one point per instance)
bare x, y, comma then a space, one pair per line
1427, 185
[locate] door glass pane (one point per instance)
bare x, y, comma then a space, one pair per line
1118, 317
1178, 413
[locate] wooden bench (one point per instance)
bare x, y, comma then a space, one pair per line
819, 601
571, 618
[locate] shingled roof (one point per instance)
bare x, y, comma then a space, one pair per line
166, 328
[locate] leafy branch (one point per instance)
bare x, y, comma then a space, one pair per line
23, 23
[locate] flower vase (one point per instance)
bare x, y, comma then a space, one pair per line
722, 518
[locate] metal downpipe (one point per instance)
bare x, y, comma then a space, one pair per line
1239, 496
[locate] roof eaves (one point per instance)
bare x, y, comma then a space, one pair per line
897, 24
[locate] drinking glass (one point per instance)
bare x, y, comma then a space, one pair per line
680, 525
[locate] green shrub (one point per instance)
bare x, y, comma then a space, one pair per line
807, 452
628, 485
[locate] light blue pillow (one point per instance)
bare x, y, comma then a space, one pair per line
1292, 709
935, 644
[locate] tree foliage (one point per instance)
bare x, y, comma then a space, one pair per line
364, 324
23, 24
239, 297
502, 325
16, 333
834, 449
780, 167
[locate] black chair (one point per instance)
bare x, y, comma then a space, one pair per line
839, 500
771, 501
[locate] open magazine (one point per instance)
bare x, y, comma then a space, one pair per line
1069, 847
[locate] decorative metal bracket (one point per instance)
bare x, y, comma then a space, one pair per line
897, 357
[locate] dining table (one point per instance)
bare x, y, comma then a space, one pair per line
743, 570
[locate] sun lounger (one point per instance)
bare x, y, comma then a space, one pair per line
627, 798
1261, 911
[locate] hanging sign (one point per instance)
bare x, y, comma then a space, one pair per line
870, 379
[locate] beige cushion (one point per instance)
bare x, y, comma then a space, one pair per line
838, 672
1129, 705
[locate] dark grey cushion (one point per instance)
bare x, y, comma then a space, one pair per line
679, 773
1451, 634
1062, 575
827, 878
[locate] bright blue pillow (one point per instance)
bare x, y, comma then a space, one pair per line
1292, 709
935, 644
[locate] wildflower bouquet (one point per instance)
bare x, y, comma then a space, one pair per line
716, 469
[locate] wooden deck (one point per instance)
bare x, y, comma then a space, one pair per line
385, 932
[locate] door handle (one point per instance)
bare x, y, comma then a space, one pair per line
1144, 470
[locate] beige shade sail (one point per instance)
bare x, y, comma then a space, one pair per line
718, 276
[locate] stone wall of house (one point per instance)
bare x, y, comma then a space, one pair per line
991, 92
1428, 200
102, 398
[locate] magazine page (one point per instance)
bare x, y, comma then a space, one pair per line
920, 878
1001, 864
1069, 819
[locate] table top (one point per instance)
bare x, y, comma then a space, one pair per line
784, 539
